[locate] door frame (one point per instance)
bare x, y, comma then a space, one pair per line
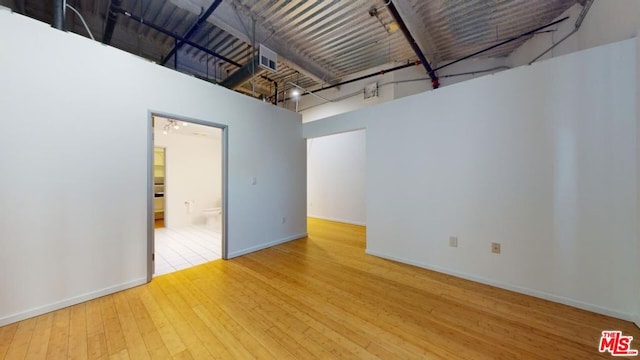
150, 181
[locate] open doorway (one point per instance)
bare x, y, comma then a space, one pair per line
336, 177
187, 214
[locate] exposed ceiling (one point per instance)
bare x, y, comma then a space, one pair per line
318, 42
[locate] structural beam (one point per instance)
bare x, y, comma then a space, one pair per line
175, 36
238, 22
435, 83
192, 30
417, 29
112, 18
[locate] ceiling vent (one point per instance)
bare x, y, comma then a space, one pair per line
268, 59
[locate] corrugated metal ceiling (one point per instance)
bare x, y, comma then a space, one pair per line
339, 36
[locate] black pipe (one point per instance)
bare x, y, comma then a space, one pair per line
193, 29
112, 18
275, 94
58, 14
175, 55
381, 72
502, 43
176, 36
396, 16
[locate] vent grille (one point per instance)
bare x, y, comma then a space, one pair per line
268, 59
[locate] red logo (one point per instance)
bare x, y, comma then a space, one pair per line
617, 344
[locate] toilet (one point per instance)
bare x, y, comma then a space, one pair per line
210, 215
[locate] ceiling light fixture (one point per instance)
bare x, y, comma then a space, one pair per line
295, 93
170, 126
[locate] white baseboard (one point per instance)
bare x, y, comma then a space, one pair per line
267, 245
69, 302
522, 290
637, 320
337, 220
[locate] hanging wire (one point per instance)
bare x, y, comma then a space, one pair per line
81, 19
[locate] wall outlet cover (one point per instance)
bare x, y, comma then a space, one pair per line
453, 241
495, 248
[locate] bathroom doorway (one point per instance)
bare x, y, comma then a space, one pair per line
158, 186
188, 193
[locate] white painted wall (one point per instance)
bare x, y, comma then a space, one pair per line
542, 159
193, 175
409, 81
73, 222
336, 169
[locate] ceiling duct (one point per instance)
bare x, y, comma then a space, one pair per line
244, 74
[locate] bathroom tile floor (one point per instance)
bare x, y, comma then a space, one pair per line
180, 248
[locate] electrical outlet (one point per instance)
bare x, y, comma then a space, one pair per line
495, 248
453, 241
284, 219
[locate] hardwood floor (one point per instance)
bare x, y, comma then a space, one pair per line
319, 297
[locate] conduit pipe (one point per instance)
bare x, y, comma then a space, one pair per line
305, 91
381, 72
58, 14
583, 13
503, 67
502, 43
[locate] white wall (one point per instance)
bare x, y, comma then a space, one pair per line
542, 159
73, 222
336, 168
193, 175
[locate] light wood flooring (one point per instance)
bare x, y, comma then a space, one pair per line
318, 297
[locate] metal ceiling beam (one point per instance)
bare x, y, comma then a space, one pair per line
435, 83
236, 21
201, 19
416, 27
176, 36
